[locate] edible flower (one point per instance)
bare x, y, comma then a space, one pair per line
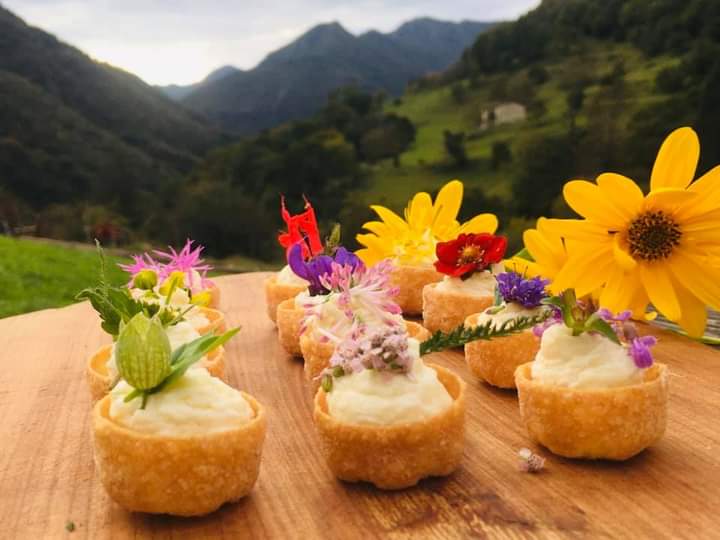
383, 349
544, 252
361, 293
582, 316
412, 240
189, 262
142, 263
469, 253
314, 269
303, 229
528, 292
661, 247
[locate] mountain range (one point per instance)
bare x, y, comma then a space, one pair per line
70, 125
294, 81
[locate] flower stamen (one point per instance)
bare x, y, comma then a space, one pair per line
653, 235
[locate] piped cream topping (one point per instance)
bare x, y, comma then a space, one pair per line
383, 398
584, 361
509, 312
480, 284
197, 403
287, 277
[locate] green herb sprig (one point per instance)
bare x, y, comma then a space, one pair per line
116, 306
440, 341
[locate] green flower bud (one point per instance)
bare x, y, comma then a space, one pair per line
145, 279
176, 280
143, 352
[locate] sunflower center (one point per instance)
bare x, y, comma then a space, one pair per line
653, 235
470, 254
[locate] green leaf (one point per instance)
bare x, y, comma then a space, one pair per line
596, 324
461, 335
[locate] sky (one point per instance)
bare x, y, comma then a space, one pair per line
181, 41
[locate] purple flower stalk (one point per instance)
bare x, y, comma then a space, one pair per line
383, 349
529, 293
320, 266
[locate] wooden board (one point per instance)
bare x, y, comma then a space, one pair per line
47, 477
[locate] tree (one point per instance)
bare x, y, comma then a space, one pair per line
538, 74
458, 92
708, 118
455, 147
388, 139
500, 154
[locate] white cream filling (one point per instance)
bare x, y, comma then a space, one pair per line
178, 334
584, 361
478, 285
197, 403
509, 312
287, 277
382, 398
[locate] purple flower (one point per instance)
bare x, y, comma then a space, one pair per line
381, 349
515, 288
555, 318
315, 269
187, 261
640, 351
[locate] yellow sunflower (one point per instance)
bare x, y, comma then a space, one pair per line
412, 240
663, 247
547, 250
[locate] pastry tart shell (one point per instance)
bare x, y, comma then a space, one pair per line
182, 476
99, 380
495, 361
289, 321
410, 281
446, 310
399, 456
276, 293
216, 321
603, 423
214, 291
317, 353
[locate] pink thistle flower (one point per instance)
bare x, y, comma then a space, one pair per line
188, 261
140, 262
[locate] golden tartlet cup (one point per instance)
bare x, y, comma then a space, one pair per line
178, 475
594, 423
276, 293
289, 320
216, 321
410, 281
398, 456
317, 353
214, 291
99, 380
495, 361
446, 310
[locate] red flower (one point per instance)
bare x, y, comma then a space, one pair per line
301, 228
469, 253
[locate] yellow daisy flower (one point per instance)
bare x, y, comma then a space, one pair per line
547, 250
412, 240
663, 247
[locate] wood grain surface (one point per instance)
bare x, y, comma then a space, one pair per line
47, 479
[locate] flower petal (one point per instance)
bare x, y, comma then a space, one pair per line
702, 280
656, 280
377, 227
447, 204
482, 223
585, 271
624, 194
619, 293
577, 229
694, 311
676, 161
419, 213
622, 257
391, 219
588, 200
708, 187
